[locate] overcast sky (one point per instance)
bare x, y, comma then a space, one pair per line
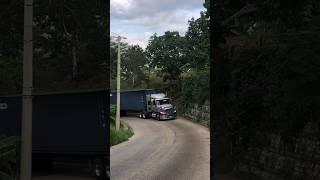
139, 19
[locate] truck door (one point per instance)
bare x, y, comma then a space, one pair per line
153, 107
148, 105
153, 104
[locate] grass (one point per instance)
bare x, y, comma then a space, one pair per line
119, 136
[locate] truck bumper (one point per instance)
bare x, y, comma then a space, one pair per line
167, 116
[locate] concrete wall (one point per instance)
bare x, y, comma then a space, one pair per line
296, 159
199, 114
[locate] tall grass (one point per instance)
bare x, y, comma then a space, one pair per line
119, 136
122, 134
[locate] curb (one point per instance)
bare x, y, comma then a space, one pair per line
125, 125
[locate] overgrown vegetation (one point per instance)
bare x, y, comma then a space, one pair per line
8, 157
117, 136
266, 66
69, 45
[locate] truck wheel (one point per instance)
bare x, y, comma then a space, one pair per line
101, 169
158, 117
144, 116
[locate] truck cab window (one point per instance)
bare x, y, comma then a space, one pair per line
163, 101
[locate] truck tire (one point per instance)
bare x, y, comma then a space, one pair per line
101, 170
144, 115
158, 116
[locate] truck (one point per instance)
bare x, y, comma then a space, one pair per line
67, 125
147, 103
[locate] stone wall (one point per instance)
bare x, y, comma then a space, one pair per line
296, 159
199, 114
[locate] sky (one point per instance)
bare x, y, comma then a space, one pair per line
137, 20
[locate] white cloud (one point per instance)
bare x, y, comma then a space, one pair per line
140, 19
119, 7
138, 38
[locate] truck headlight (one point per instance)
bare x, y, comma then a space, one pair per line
163, 113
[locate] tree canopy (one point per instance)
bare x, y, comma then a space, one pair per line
70, 45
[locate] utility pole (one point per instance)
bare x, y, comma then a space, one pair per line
26, 129
118, 83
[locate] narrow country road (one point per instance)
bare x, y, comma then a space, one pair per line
171, 150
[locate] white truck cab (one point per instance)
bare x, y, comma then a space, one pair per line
159, 107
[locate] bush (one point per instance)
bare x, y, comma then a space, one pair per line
119, 136
113, 110
196, 86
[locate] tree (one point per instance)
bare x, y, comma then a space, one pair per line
165, 54
11, 46
198, 43
134, 62
70, 44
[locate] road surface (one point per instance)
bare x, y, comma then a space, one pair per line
171, 150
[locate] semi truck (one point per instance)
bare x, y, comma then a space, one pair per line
69, 124
148, 103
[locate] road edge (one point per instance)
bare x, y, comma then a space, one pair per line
125, 124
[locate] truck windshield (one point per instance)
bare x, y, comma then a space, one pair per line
163, 101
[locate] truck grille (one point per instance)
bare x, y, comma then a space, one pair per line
169, 111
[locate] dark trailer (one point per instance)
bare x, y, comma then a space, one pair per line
131, 100
65, 124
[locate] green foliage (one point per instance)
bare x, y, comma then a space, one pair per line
198, 43
273, 62
154, 81
195, 86
134, 64
182, 62
122, 134
64, 32
113, 109
119, 136
8, 157
165, 54
69, 44
11, 45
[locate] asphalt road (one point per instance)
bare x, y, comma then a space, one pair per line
162, 150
